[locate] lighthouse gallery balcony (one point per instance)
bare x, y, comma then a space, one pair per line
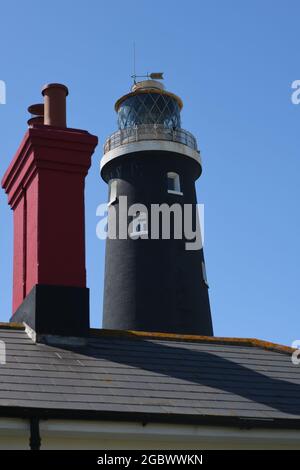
144, 132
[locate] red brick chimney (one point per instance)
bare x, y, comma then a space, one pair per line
45, 188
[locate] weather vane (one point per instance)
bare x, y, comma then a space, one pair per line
153, 75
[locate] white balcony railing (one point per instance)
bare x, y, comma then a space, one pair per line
149, 132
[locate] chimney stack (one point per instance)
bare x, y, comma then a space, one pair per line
45, 188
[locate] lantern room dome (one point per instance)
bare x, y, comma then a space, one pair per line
149, 103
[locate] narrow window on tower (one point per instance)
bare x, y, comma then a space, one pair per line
139, 225
174, 183
112, 192
204, 274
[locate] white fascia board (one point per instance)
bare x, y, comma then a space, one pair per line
167, 432
13, 426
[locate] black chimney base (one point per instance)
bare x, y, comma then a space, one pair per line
55, 310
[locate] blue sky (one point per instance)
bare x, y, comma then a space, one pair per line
232, 63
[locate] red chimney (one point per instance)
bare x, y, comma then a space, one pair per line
45, 187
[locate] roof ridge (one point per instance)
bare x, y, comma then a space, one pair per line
12, 326
251, 342
248, 342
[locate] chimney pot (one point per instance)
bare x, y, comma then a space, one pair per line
36, 109
37, 114
55, 104
35, 120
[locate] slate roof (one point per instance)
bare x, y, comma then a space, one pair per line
151, 376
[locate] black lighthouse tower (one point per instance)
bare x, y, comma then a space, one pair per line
153, 282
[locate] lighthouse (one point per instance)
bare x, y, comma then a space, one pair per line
155, 276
